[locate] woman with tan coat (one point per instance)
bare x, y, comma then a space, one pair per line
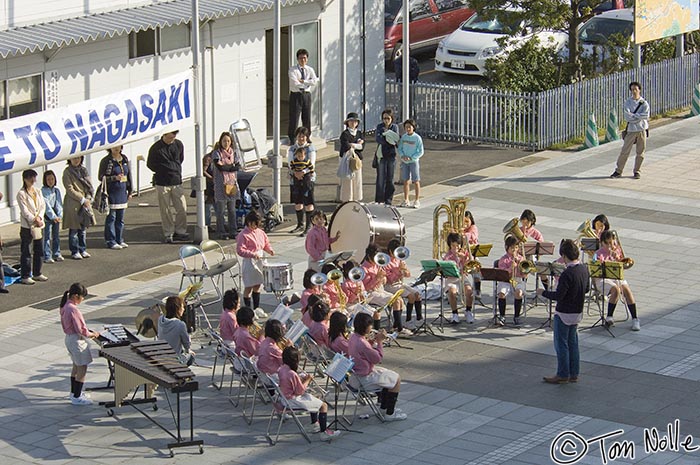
31, 208
77, 206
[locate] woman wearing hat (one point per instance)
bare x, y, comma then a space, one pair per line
350, 171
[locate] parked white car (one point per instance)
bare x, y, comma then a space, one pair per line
595, 33
466, 50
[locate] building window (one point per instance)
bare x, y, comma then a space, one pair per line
158, 41
21, 96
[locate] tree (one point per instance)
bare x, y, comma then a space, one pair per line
514, 71
559, 15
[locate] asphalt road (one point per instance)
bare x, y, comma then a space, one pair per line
426, 62
442, 161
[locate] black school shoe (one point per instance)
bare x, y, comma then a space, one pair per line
616, 174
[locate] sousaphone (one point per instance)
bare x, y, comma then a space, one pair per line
147, 320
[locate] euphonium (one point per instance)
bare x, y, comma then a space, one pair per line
512, 228
586, 230
627, 262
454, 209
335, 275
472, 266
255, 330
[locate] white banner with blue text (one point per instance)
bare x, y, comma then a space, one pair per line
96, 124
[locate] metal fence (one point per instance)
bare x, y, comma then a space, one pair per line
538, 120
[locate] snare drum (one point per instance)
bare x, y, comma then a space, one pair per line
363, 223
277, 276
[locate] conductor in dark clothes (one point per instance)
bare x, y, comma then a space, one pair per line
569, 295
302, 79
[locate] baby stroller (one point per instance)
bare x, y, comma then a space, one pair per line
260, 200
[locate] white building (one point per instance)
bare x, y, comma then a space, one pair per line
55, 53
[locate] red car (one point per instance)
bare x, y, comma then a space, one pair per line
431, 20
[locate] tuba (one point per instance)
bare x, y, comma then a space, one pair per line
627, 262
527, 267
454, 209
512, 228
472, 266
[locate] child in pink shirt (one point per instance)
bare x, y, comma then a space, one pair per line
244, 341
366, 355
471, 237
460, 257
227, 320
317, 240
250, 245
510, 262
337, 333
375, 279
269, 352
293, 388
610, 252
318, 329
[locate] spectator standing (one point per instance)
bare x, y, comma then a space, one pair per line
636, 113
413, 70
165, 159
3, 290
77, 206
303, 203
227, 162
350, 171
115, 167
387, 137
302, 79
52, 218
410, 150
209, 202
31, 208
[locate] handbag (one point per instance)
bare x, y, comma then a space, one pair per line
377, 156
355, 162
102, 197
37, 233
230, 189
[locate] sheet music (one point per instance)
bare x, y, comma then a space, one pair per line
297, 330
282, 314
339, 367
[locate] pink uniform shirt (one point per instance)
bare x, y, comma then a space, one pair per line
227, 325
353, 290
532, 233
453, 257
245, 342
332, 294
250, 241
371, 280
72, 320
269, 356
340, 345
393, 271
605, 255
472, 234
364, 355
506, 262
318, 242
318, 330
290, 382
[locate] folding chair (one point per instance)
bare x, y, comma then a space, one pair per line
238, 369
596, 295
223, 352
315, 354
224, 263
195, 268
245, 142
523, 310
362, 395
254, 383
281, 407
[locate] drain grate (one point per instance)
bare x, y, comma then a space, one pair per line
524, 161
52, 304
156, 273
456, 182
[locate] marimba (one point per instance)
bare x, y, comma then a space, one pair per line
113, 336
149, 364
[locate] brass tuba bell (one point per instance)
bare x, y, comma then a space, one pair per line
356, 274
402, 253
472, 266
382, 259
527, 267
454, 209
319, 279
512, 228
586, 230
147, 320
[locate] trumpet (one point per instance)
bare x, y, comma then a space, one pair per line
255, 330
372, 336
527, 267
319, 279
627, 262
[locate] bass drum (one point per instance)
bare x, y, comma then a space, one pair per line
363, 223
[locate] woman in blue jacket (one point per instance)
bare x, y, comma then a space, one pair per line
387, 137
115, 167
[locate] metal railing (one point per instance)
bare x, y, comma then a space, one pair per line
539, 120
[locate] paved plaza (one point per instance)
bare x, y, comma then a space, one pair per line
473, 394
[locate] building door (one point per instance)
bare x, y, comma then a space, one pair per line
292, 38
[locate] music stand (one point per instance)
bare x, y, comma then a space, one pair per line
551, 269
497, 275
444, 269
478, 251
425, 278
333, 257
589, 245
605, 270
337, 371
537, 249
